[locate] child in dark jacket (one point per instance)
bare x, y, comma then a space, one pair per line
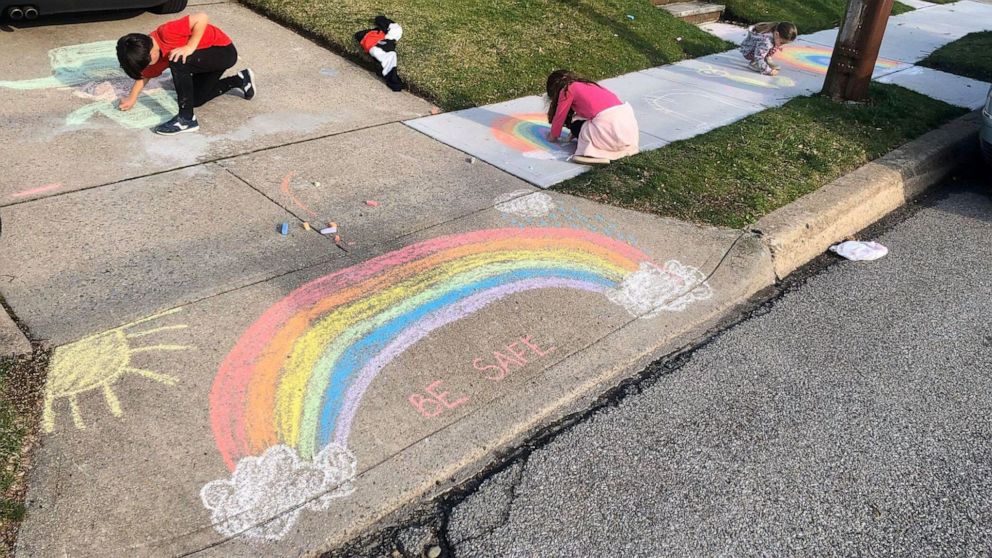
763, 41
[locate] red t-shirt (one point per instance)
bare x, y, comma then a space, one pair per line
371, 39
175, 34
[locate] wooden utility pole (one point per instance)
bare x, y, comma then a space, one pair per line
856, 51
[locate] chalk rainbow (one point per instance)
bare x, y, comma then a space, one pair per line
298, 374
816, 59
526, 132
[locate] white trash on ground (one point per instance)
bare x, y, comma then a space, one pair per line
857, 250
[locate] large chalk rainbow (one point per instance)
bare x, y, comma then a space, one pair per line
297, 375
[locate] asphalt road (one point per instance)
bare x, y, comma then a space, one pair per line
852, 418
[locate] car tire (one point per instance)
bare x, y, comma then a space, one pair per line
171, 7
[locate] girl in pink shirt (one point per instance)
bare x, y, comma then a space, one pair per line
604, 125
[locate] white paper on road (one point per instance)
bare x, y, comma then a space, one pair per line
956, 90
857, 250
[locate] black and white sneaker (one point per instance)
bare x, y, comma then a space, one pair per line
248, 80
178, 125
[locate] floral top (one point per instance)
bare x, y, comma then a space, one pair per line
757, 48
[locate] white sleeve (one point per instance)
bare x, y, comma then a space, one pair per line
394, 33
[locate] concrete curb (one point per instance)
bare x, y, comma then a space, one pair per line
12, 340
804, 229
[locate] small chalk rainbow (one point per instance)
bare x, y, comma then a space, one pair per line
525, 132
816, 59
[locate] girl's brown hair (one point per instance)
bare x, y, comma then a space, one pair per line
785, 29
557, 82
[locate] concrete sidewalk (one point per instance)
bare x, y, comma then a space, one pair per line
219, 388
682, 100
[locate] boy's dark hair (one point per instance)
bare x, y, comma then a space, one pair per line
134, 52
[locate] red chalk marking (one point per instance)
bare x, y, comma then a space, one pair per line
505, 362
500, 373
532, 345
514, 355
293, 198
435, 402
38, 190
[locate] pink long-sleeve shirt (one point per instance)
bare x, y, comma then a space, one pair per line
586, 99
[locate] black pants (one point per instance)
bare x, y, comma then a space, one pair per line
575, 127
197, 80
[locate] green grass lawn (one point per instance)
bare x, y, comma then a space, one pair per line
733, 175
808, 15
12, 431
462, 53
969, 56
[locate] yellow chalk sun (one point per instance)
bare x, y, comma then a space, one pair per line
97, 363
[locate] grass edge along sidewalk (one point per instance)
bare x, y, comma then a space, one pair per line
809, 15
733, 175
476, 53
968, 56
22, 382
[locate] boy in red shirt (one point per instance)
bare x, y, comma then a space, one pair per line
197, 53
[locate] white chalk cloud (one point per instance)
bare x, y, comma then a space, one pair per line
652, 290
525, 203
267, 493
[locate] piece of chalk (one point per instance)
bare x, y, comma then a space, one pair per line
332, 224
329, 230
371, 203
316, 183
337, 238
306, 226
284, 229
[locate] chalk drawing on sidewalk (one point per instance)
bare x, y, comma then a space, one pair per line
652, 290
752, 79
92, 72
287, 190
97, 363
538, 209
277, 480
528, 134
524, 203
669, 103
37, 191
816, 59
297, 376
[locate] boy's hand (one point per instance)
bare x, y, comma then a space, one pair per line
180, 54
126, 104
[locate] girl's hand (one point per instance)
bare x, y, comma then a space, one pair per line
774, 72
126, 104
551, 138
180, 54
